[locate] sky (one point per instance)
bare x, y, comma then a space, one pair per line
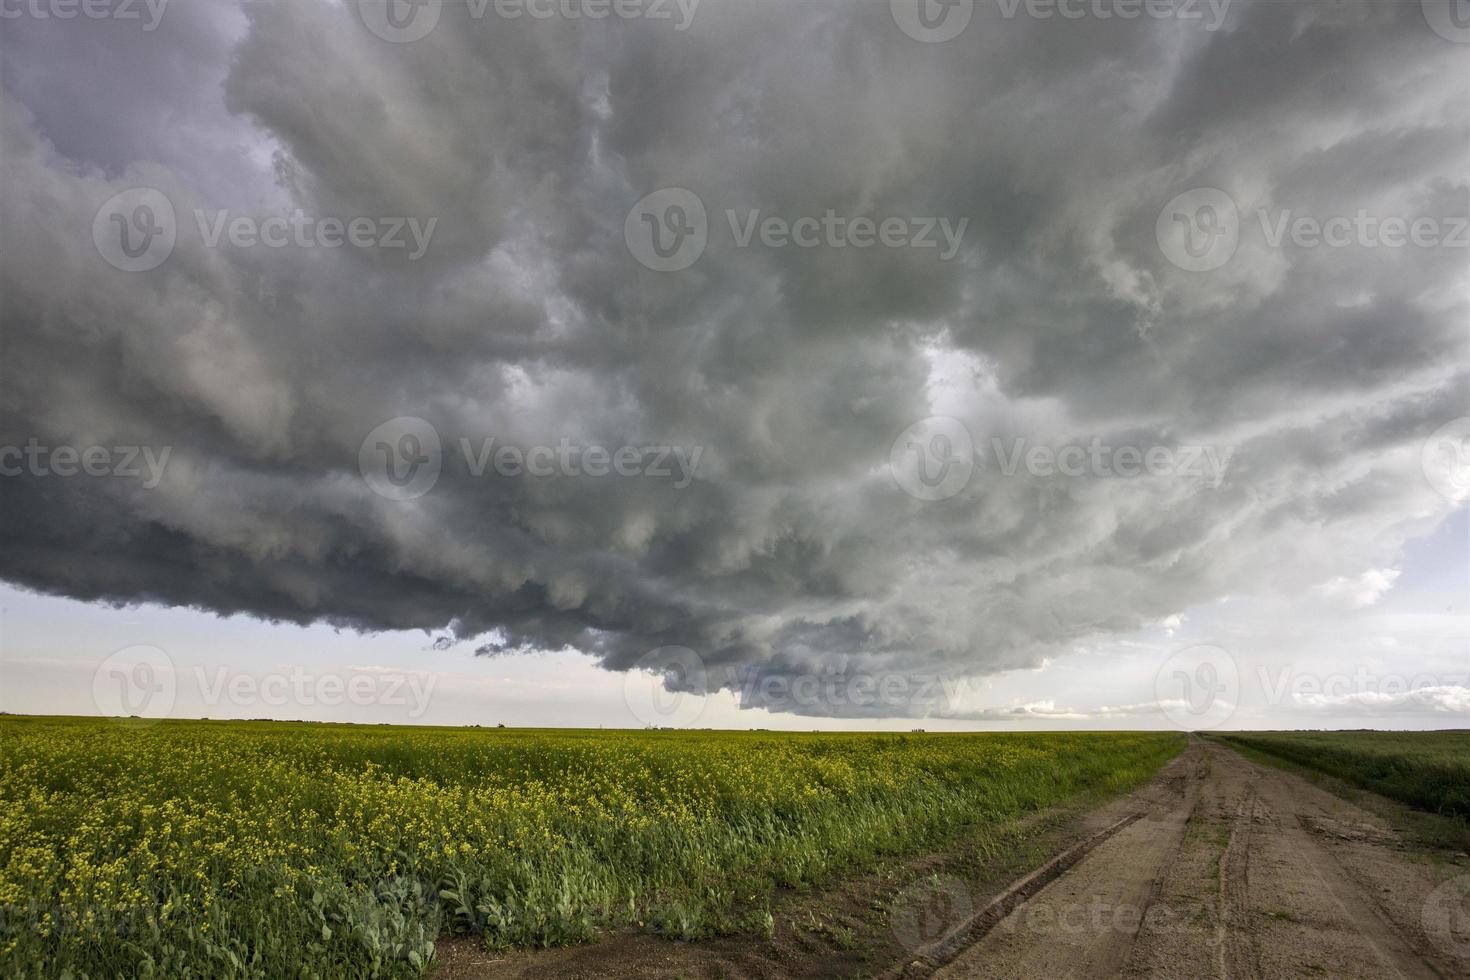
966, 365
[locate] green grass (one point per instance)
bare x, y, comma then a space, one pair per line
226, 849
1427, 770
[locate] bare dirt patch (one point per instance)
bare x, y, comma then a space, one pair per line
1257, 874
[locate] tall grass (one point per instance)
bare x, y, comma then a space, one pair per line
186, 849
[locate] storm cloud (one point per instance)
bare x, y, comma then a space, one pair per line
788, 383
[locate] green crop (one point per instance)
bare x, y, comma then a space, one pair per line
222, 849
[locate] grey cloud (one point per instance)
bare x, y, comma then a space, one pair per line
793, 370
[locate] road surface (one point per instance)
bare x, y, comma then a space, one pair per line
1236, 871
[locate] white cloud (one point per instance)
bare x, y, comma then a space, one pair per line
1442, 699
1362, 591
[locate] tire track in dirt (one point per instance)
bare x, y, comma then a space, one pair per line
927, 958
1237, 957
1084, 922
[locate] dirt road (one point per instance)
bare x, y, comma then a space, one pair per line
1236, 870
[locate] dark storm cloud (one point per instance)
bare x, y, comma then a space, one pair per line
791, 370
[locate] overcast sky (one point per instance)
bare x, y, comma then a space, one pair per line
970, 364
